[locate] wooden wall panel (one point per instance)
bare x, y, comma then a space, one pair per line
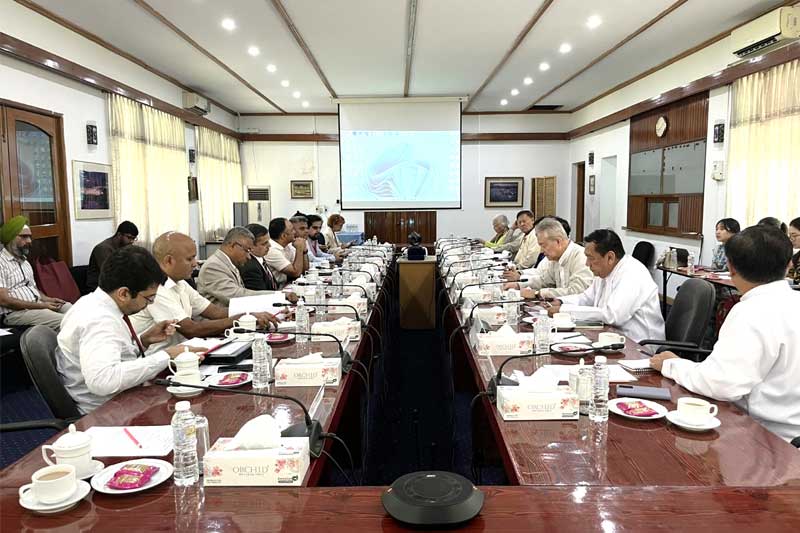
637, 212
690, 213
687, 120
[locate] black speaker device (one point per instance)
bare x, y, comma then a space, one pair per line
432, 498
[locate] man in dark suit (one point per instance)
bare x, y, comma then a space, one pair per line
255, 273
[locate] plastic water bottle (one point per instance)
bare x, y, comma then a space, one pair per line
598, 408
184, 435
302, 342
322, 300
690, 264
336, 282
262, 362
512, 309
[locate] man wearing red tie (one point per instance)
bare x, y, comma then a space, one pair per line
256, 275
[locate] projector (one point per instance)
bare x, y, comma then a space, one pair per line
432, 498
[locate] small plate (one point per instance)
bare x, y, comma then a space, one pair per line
96, 467
675, 418
164, 473
29, 502
279, 338
216, 379
571, 348
660, 410
184, 392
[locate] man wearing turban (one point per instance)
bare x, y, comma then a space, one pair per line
21, 303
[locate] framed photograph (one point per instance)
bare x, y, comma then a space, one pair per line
591, 184
503, 192
92, 190
302, 189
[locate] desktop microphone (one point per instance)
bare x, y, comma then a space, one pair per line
473, 270
371, 278
471, 242
472, 312
347, 359
454, 263
460, 294
358, 317
301, 284
310, 428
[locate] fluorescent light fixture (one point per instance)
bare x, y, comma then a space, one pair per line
284, 83
544, 65
528, 80
565, 48
503, 102
296, 94
229, 24
305, 103
514, 92
593, 22
271, 68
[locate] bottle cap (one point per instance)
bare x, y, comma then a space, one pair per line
183, 406
598, 359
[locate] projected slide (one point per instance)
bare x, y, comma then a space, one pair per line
384, 169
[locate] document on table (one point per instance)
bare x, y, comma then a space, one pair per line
616, 374
112, 441
257, 304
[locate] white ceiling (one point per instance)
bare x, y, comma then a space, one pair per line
360, 45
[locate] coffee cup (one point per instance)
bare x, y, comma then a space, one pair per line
51, 484
188, 376
696, 411
73, 448
185, 362
607, 338
239, 334
562, 319
246, 321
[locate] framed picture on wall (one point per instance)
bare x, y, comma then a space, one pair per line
503, 192
302, 189
591, 184
92, 190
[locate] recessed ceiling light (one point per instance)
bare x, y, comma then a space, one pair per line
514, 92
253, 51
544, 66
296, 94
305, 103
528, 80
284, 83
271, 68
229, 24
503, 102
565, 48
593, 22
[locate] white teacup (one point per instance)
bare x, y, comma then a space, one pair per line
73, 448
185, 362
696, 411
562, 319
246, 321
239, 334
193, 377
51, 484
607, 338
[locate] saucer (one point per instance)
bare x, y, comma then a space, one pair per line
32, 504
184, 392
675, 418
96, 467
571, 348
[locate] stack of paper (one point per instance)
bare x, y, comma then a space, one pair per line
114, 442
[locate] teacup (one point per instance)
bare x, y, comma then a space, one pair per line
73, 448
193, 377
563, 319
184, 362
51, 484
607, 338
696, 411
246, 321
239, 334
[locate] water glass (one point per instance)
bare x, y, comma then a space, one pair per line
543, 330
203, 441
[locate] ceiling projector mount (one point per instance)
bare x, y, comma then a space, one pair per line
432, 498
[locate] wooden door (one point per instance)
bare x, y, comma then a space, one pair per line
581, 190
394, 226
34, 182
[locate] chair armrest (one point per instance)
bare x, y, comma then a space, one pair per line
684, 349
655, 342
50, 423
796, 442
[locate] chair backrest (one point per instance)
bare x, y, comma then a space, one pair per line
691, 311
644, 252
38, 346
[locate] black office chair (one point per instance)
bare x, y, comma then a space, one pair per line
796, 442
38, 346
687, 320
644, 251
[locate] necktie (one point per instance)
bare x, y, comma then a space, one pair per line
270, 279
134, 337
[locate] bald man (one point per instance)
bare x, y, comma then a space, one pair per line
176, 300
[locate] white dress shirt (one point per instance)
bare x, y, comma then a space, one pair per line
277, 259
529, 251
96, 356
568, 275
756, 361
627, 298
174, 301
315, 255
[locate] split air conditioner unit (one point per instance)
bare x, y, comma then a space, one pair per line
766, 33
196, 104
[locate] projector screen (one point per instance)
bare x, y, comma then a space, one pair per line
400, 155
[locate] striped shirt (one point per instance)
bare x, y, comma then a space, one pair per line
16, 276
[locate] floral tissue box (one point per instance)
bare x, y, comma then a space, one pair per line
285, 466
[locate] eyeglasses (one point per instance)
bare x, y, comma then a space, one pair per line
247, 249
149, 299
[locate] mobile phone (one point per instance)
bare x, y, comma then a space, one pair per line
637, 391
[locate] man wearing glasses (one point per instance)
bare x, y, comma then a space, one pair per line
127, 234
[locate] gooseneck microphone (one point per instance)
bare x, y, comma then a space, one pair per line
491, 261
371, 278
460, 294
310, 428
480, 304
347, 360
358, 317
476, 269
336, 285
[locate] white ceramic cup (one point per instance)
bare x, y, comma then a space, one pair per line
246, 321
696, 410
184, 362
607, 338
562, 319
188, 376
240, 335
80, 458
51, 484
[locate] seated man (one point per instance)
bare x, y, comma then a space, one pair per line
623, 294
315, 253
99, 354
529, 250
505, 238
256, 275
300, 225
177, 301
285, 263
220, 279
756, 361
564, 270
126, 234
21, 303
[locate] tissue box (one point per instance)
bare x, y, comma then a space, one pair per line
370, 287
516, 403
341, 330
494, 317
326, 372
519, 344
358, 303
277, 467
477, 294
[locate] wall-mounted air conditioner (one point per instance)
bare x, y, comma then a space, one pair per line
773, 30
196, 104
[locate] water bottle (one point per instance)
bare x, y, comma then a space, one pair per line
690, 264
203, 440
322, 300
598, 408
303, 342
262, 361
336, 282
512, 309
184, 435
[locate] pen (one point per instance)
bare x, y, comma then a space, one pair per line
129, 434
220, 345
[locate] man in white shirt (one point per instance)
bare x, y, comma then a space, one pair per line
99, 354
285, 265
623, 294
176, 300
756, 361
562, 272
529, 250
315, 253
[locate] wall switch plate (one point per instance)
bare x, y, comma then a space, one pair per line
91, 133
718, 170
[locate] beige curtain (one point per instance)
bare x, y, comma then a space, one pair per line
148, 157
764, 161
219, 181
